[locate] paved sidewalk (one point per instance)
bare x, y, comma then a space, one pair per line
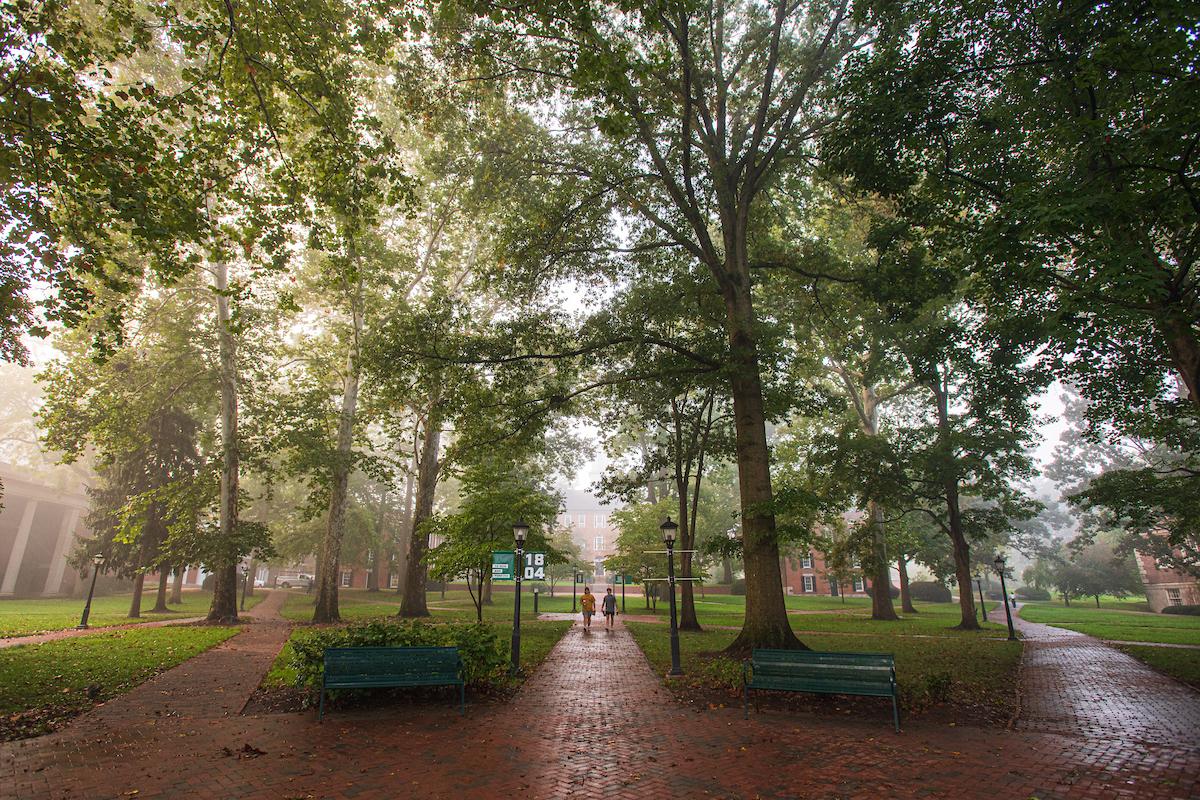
71, 633
1077, 685
594, 721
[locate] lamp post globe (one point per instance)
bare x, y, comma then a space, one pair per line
669, 531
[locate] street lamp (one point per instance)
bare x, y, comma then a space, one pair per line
97, 560
245, 574
1000, 565
576, 577
520, 531
982, 605
536, 592
669, 530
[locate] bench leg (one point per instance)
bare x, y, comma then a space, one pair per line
321, 707
895, 713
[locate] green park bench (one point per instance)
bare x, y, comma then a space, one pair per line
870, 674
385, 667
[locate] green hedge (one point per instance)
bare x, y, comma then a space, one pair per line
1032, 593
738, 587
482, 649
1191, 611
929, 592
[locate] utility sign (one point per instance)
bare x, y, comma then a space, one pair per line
504, 562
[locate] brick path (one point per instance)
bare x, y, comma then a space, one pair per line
1077, 685
593, 721
71, 633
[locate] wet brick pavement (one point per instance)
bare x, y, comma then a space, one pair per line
592, 722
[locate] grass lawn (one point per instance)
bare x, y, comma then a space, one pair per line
978, 676
27, 617
1182, 665
1116, 623
44, 684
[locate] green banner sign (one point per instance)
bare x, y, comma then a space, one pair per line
504, 563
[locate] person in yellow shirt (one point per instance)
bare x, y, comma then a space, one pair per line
588, 602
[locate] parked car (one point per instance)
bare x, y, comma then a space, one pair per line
294, 580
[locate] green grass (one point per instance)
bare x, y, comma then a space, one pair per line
1117, 624
1182, 665
978, 673
56, 680
26, 617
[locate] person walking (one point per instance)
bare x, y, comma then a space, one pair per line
588, 602
609, 606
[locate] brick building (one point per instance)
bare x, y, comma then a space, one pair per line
591, 528
1167, 587
806, 574
39, 525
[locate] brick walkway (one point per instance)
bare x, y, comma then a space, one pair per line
592, 722
1077, 685
71, 633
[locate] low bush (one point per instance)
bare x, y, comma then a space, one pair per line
738, 587
1191, 611
929, 592
1032, 593
893, 590
480, 646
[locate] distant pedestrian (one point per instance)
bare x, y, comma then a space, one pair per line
588, 601
609, 606
1012, 598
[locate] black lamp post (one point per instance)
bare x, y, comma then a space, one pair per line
520, 531
669, 530
97, 560
1000, 565
575, 576
536, 592
245, 575
624, 580
982, 605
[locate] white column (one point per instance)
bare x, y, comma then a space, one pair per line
17, 555
58, 561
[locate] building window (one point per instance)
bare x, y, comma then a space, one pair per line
859, 585
581, 519
1174, 597
393, 580
598, 568
346, 576
810, 583
598, 543
806, 561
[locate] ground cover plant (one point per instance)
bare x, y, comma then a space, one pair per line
44, 685
961, 678
1116, 624
25, 617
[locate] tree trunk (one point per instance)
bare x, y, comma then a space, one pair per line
766, 622
326, 609
177, 586
160, 598
726, 570
687, 538
135, 604
404, 539
1097, 601
224, 609
251, 568
1184, 347
881, 596
485, 591
413, 603
905, 598
962, 551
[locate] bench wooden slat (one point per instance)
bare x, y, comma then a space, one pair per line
866, 674
379, 667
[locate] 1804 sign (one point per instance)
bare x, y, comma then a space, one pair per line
504, 561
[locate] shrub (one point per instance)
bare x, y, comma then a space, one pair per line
1032, 593
738, 587
1191, 611
207, 584
893, 590
929, 592
481, 647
